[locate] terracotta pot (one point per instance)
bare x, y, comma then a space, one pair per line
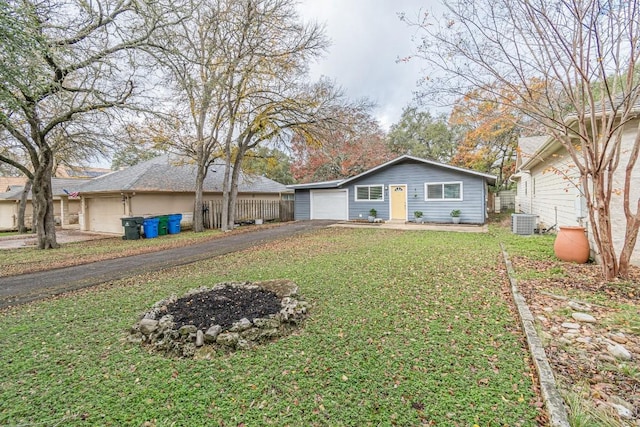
572, 245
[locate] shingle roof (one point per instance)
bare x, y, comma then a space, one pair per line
491, 179
58, 186
171, 174
530, 144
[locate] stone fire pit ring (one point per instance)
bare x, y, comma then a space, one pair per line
168, 329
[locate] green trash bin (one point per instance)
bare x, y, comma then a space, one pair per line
163, 225
132, 227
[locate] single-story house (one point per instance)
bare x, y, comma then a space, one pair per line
65, 204
549, 187
396, 190
160, 186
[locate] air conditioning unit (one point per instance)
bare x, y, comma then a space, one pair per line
523, 224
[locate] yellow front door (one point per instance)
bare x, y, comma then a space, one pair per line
398, 195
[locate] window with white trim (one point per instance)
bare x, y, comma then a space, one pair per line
443, 191
367, 193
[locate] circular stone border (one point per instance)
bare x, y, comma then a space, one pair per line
156, 328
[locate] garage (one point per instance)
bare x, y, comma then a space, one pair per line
105, 214
329, 204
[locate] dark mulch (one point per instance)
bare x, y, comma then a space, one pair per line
223, 307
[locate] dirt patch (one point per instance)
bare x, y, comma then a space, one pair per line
223, 307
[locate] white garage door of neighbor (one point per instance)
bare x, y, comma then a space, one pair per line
105, 214
329, 204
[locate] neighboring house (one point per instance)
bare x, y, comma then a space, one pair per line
66, 208
396, 190
548, 186
160, 186
7, 182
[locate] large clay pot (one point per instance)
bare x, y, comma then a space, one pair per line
572, 245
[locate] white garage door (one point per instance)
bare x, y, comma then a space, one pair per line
329, 204
105, 214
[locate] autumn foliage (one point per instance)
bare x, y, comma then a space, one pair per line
342, 152
490, 134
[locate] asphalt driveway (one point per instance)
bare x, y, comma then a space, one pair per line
23, 288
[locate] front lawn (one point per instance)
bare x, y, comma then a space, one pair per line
405, 328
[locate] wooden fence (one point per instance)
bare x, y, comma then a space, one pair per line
248, 211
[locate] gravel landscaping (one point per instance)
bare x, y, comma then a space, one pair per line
591, 332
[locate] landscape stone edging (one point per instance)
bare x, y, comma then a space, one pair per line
554, 403
156, 329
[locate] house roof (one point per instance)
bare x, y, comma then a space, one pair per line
491, 179
173, 174
547, 145
6, 182
530, 144
58, 185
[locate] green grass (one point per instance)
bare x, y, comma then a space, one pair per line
584, 413
625, 319
405, 328
536, 247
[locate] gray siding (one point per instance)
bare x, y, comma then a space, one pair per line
302, 205
415, 175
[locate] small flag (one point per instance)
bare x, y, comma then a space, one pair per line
72, 195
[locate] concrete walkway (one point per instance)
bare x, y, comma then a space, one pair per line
16, 241
460, 228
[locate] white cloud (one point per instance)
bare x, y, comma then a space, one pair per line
367, 39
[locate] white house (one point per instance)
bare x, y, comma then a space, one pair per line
548, 186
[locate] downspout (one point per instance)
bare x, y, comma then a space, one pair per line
530, 192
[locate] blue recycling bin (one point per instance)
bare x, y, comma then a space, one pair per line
174, 223
150, 226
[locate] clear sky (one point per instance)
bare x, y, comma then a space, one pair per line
367, 38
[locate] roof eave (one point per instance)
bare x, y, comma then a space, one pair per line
550, 146
490, 178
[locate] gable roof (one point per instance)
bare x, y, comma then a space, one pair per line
6, 182
491, 179
547, 144
58, 187
528, 145
174, 174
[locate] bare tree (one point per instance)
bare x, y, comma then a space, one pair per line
71, 61
192, 55
570, 66
277, 114
240, 67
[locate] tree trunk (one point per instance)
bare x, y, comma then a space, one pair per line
630, 239
233, 190
226, 222
42, 199
201, 174
601, 228
22, 228
633, 218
